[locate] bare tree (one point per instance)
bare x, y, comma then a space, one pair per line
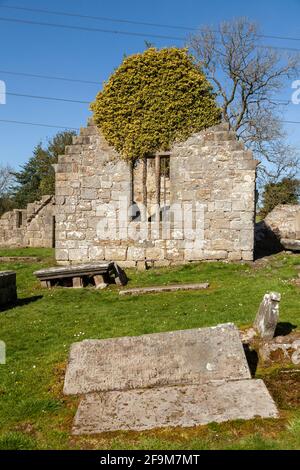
247, 77
6, 178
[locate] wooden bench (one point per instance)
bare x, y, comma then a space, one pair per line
78, 276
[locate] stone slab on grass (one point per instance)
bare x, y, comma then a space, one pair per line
181, 405
181, 357
159, 289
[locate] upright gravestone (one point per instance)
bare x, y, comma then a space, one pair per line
267, 316
8, 288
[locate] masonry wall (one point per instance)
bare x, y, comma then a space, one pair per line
284, 221
212, 177
32, 227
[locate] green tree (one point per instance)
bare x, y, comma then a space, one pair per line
153, 99
287, 191
37, 176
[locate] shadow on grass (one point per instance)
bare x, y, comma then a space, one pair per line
20, 302
284, 328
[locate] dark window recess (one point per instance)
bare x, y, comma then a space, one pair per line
19, 219
165, 166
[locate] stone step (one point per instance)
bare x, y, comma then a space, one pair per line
194, 356
182, 405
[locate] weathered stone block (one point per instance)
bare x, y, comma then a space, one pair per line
88, 193
115, 253
235, 255
78, 254
193, 254
135, 253
62, 254
215, 254
247, 255
76, 235
155, 253
267, 316
96, 253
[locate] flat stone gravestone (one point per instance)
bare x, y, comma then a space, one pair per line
181, 405
267, 316
181, 378
8, 288
181, 357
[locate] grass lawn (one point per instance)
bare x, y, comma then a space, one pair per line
39, 330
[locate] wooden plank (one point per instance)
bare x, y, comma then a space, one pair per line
120, 275
158, 289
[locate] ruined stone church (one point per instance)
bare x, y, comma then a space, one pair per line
196, 202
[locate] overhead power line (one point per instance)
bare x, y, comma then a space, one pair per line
133, 22
69, 100
39, 124
99, 18
50, 98
92, 30
50, 77
124, 33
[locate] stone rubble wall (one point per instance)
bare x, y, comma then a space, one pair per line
30, 227
211, 168
284, 221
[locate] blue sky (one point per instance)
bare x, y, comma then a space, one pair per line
93, 55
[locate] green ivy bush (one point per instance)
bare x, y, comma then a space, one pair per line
153, 99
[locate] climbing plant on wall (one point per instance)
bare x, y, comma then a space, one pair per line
153, 99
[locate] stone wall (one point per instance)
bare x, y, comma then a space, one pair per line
284, 221
33, 226
211, 179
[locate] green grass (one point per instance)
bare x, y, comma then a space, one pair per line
39, 330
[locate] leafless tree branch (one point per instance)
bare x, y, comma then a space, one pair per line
247, 78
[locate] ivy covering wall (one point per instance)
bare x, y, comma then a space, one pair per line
153, 99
